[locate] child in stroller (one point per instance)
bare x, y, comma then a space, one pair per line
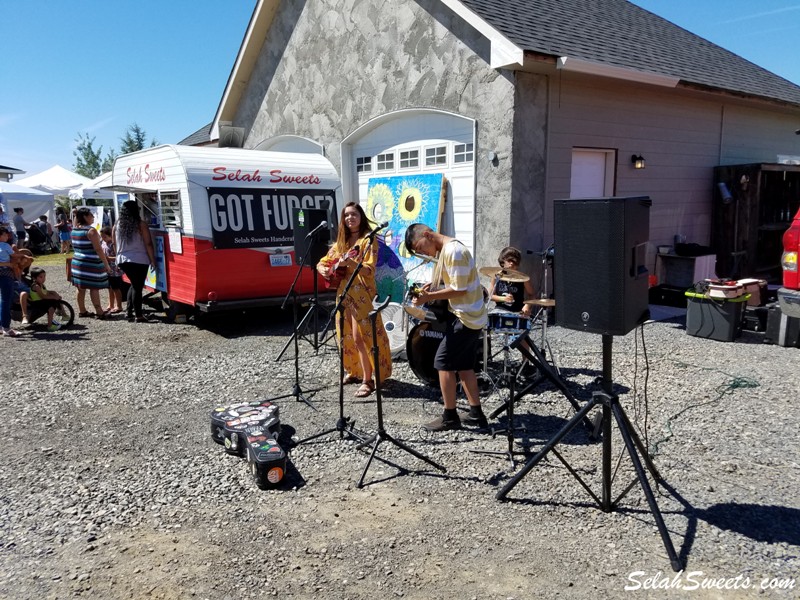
33, 300
40, 236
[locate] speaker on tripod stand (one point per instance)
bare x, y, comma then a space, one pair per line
602, 287
601, 245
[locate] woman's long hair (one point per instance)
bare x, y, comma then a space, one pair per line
341, 237
82, 216
129, 220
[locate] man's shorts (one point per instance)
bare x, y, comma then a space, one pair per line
458, 349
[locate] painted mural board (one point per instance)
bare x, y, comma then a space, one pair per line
402, 200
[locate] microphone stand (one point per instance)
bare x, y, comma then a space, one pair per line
297, 391
381, 435
343, 424
312, 309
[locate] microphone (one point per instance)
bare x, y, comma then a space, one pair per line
383, 225
322, 225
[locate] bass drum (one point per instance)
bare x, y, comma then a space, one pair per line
421, 346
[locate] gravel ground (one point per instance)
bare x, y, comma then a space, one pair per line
111, 487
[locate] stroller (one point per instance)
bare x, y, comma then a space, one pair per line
64, 314
39, 242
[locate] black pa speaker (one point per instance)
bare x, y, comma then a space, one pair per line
309, 237
601, 250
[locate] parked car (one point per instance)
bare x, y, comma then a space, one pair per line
789, 294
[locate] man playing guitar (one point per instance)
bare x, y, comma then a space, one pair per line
467, 317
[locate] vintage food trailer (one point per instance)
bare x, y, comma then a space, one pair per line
222, 220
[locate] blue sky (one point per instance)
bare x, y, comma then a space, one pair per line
96, 66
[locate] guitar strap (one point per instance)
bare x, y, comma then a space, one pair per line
439, 308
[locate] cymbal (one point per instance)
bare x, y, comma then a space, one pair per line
513, 276
504, 274
548, 302
489, 271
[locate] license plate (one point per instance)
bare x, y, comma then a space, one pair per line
280, 260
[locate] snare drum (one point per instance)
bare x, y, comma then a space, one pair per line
508, 322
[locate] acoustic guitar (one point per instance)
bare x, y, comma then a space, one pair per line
338, 269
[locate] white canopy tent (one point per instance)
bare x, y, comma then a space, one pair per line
34, 202
56, 180
94, 190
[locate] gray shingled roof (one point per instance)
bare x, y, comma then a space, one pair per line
619, 33
201, 136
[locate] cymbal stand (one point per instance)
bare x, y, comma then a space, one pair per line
633, 444
509, 429
546, 372
381, 435
543, 314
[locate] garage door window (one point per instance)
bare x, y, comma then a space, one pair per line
364, 164
462, 153
436, 156
386, 162
409, 159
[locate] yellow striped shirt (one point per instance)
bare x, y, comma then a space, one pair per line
459, 273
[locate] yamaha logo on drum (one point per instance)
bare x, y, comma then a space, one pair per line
432, 334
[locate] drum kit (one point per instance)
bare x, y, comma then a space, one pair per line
420, 332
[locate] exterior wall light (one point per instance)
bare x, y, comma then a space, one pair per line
637, 161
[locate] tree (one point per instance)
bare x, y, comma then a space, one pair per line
87, 160
135, 139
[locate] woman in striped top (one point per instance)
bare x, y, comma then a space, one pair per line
90, 267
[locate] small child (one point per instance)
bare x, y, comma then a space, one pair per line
509, 295
115, 278
42, 300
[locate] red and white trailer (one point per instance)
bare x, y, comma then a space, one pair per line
222, 219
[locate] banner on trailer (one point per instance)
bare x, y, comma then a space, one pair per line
157, 278
259, 218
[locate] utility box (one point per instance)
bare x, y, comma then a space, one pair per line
781, 329
714, 319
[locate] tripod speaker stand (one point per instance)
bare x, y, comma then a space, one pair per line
546, 371
633, 445
381, 435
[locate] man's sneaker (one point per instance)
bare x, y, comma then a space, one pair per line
442, 424
480, 422
53, 327
10, 333
25, 321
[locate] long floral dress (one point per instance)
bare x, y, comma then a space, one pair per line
359, 303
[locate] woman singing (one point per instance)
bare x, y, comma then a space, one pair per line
351, 245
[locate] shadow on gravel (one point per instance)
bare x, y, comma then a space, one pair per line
71, 333
771, 524
239, 323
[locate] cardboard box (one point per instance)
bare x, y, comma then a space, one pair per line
757, 289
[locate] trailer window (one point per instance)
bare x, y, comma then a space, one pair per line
171, 210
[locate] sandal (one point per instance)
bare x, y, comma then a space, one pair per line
365, 389
350, 378
85, 315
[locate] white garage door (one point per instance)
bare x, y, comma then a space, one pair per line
413, 144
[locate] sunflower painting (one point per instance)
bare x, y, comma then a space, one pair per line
404, 200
